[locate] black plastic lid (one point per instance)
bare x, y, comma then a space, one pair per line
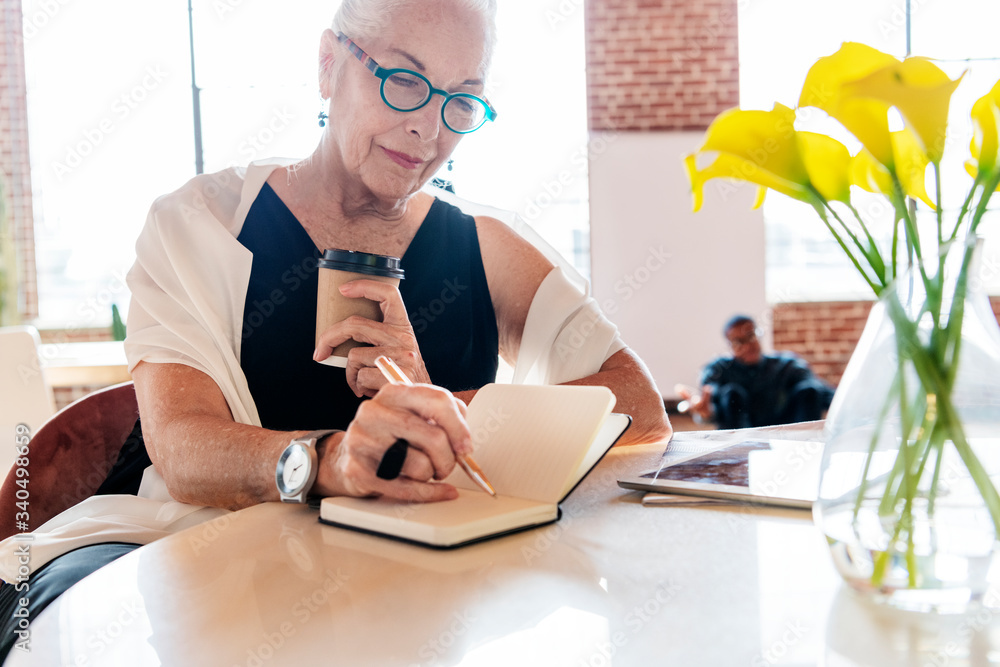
361, 262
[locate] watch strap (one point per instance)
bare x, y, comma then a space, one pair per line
315, 436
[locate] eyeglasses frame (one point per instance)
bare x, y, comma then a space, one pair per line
745, 340
383, 73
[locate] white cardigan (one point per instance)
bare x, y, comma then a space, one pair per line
189, 285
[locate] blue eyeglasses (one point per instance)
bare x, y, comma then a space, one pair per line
406, 90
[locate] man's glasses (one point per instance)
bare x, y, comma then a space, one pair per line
737, 340
406, 90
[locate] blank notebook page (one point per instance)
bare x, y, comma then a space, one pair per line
530, 440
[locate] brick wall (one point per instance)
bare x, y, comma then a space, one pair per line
660, 64
14, 160
822, 333
826, 333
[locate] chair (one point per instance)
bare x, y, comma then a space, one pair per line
70, 456
25, 397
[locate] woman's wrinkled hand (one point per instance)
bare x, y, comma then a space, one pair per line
429, 418
393, 337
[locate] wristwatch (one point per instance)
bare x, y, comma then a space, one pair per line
297, 467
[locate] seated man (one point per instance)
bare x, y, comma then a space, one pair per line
751, 388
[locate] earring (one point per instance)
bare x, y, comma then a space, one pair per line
451, 164
322, 118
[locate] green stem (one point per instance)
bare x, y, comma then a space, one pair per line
964, 211
956, 317
935, 382
854, 260
873, 445
870, 253
980, 476
895, 247
989, 187
938, 208
910, 225
904, 463
937, 444
893, 482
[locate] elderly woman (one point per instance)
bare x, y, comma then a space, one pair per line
405, 82
221, 330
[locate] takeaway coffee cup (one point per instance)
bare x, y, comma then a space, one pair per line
338, 267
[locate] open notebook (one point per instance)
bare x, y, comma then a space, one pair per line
535, 444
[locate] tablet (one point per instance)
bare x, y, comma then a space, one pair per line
773, 472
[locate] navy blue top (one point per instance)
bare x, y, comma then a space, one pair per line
445, 294
769, 386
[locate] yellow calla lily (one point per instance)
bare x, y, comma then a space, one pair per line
911, 165
866, 119
922, 93
986, 124
735, 168
763, 147
869, 174
911, 169
828, 165
753, 146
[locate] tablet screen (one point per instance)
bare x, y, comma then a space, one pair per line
778, 472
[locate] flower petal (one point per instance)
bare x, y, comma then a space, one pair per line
866, 119
986, 124
759, 200
911, 165
828, 165
755, 146
869, 174
738, 169
764, 138
911, 169
922, 93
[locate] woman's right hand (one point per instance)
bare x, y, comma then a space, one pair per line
430, 418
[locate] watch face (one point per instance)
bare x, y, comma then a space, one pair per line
295, 465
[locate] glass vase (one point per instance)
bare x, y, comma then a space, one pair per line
907, 498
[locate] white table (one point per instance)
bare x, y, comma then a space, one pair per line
612, 583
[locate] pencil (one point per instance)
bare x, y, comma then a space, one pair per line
395, 375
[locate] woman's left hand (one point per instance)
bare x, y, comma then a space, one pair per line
393, 337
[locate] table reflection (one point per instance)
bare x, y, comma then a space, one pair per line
860, 632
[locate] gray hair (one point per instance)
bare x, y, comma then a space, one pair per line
360, 19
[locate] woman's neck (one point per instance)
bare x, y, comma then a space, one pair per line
340, 212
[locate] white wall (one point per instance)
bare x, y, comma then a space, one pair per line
669, 278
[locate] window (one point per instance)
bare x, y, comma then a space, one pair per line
111, 124
779, 41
